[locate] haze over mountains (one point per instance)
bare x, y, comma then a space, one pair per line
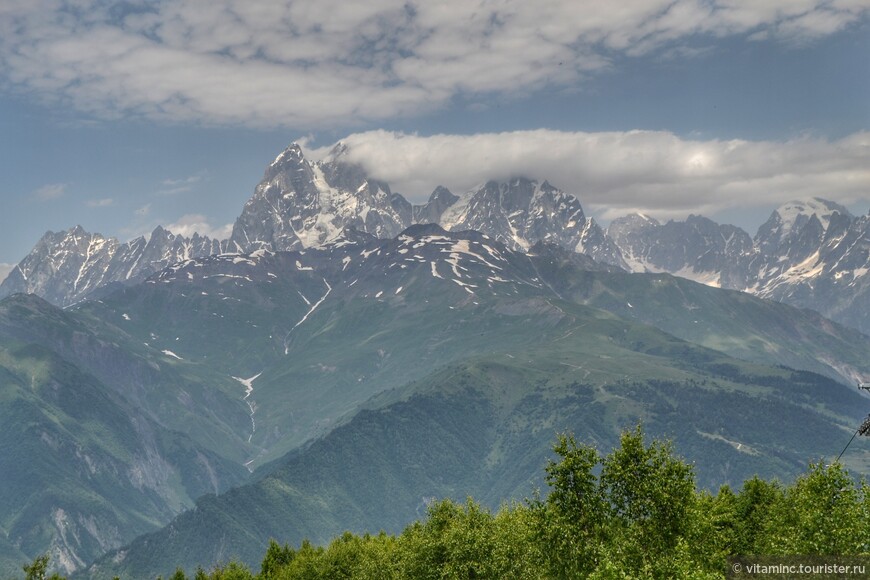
347, 355
431, 364
811, 254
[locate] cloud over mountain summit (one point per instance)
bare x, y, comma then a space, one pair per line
655, 172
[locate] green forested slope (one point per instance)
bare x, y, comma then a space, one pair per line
86, 465
442, 347
735, 323
632, 513
483, 428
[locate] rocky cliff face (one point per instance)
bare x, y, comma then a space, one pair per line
64, 267
522, 212
810, 253
302, 204
698, 248
815, 254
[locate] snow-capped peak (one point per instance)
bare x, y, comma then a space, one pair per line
293, 151
796, 213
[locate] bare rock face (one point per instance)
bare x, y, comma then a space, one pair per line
698, 248
809, 253
300, 204
815, 254
431, 211
64, 267
520, 213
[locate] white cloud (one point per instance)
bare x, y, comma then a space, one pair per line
5, 269
311, 64
104, 202
189, 224
176, 186
613, 173
49, 192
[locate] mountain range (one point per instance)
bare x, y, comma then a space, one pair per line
443, 363
300, 204
345, 356
811, 254
235, 361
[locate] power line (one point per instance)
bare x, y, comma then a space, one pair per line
863, 429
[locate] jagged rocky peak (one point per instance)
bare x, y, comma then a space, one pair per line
300, 204
341, 173
291, 158
800, 218
65, 267
793, 211
75, 237
59, 262
697, 248
521, 211
431, 212
293, 151
630, 225
812, 247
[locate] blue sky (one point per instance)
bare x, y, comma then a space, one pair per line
121, 116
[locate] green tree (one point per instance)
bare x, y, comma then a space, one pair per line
651, 498
38, 569
515, 553
571, 524
823, 512
307, 562
232, 571
468, 541
753, 508
277, 557
423, 551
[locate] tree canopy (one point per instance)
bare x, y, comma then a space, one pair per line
635, 512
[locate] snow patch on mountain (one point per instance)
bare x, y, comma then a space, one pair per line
252, 405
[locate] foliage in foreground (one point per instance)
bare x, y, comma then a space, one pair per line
632, 514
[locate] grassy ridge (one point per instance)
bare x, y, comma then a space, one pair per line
635, 512
484, 428
84, 466
732, 322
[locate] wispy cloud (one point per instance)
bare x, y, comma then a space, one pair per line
177, 186
303, 64
104, 202
189, 224
49, 192
613, 173
5, 269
